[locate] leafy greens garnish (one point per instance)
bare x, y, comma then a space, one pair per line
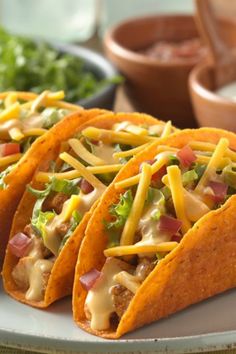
40, 220
27, 65
52, 115
65, 186
120, 211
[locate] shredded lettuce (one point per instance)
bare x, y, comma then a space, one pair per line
166, 192
156, 215
122, 147
199, 169
40, 220
65, 186
173, 160
120, 211
52, 116
189, 177
229, 176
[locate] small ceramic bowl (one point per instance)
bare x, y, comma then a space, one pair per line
155, 87
210, 109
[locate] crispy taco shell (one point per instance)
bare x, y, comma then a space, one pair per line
61, 279
202, 265
22, 174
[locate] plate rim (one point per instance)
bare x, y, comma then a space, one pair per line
184, 344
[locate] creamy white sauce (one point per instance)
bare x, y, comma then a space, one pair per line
195, 207
105, 152
87, 200
156, 129
120, 126
165, 154
148, 227
99, 300
36, 279
227, 91
34, 120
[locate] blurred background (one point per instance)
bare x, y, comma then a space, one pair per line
78, 20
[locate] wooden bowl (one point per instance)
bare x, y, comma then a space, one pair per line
210, 109
158, 88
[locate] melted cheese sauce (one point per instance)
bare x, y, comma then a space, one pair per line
30, 272
196, 208
99, 300
36, 279
148, 227
105, 152
156, 129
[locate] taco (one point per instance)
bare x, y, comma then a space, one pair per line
23, 118
52, 216
165, 234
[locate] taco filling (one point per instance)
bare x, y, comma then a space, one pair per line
153, 213
22, 121
87, 163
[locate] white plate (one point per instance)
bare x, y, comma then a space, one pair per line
209, 325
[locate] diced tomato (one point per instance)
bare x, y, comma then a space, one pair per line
186, 156
169, 224
86, 187
9, 149
176, 238
19, 244
219, 190
88, 279
157, 176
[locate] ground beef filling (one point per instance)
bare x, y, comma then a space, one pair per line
55, 202
121, 298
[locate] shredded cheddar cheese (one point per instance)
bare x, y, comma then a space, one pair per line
71, 205
39, 101
214, 162
202, 146
129, 281
136, 130
10, 99
11, 112
135, 179
7, 160
83, 171
130, 152
16, 134
177, 192
84, 154
167, 129
128, 233
111, 136
34, 132
45, 176
138, 249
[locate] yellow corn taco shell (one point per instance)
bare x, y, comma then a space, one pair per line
25, 167
202, 265
62, 275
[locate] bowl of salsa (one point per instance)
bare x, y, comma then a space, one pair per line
156, 54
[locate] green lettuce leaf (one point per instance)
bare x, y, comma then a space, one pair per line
121, 210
